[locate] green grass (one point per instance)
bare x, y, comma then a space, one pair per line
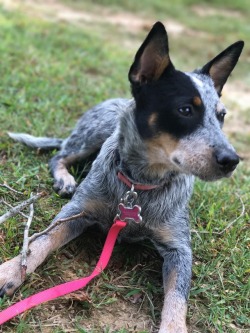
218, 29
52, 72
184, 12
220, 272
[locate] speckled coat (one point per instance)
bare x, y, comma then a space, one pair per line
167, 134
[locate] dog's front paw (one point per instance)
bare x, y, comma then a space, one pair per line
65, 186
10, 276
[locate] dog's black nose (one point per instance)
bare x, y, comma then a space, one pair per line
227, 160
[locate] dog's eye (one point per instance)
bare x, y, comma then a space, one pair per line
186, 111
221, 116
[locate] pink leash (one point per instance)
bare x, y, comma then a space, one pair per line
126, 210
68, 287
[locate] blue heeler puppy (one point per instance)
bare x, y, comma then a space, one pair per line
158, 141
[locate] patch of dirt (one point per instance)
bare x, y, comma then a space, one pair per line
56, 11
124, 315
67, 316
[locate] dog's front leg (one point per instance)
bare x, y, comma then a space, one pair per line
177, 268
40, 248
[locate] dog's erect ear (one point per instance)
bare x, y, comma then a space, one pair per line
221, 66
152, 58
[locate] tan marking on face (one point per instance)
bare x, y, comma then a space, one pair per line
197, 101
152, 119
158, 151
161, 146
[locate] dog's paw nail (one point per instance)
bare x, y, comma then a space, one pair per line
58, 185
70, 189
65, 187
7, 289
2, 292
67, 192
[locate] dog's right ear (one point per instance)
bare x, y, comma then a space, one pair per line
152, 58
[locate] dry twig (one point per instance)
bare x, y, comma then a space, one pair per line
10, 188
55, 224
15, 210
7, 204
25, 248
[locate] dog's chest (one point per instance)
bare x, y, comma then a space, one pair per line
144, 216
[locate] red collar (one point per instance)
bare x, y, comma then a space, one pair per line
142, 187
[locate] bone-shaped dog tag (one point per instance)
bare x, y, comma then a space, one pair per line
129, 213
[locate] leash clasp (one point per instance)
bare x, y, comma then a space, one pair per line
126, 210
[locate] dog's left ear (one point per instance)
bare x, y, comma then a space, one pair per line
221, 66
152, 58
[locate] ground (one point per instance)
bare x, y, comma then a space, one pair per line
128, 295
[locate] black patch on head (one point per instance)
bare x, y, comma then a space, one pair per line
165, 97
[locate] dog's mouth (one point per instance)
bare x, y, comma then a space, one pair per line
209, 171
214, 176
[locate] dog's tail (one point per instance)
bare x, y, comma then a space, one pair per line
37, 142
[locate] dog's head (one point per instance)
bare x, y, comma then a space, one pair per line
179, 115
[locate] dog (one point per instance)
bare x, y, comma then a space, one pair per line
151, 147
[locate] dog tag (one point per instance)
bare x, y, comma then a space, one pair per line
127, 210
129, 213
